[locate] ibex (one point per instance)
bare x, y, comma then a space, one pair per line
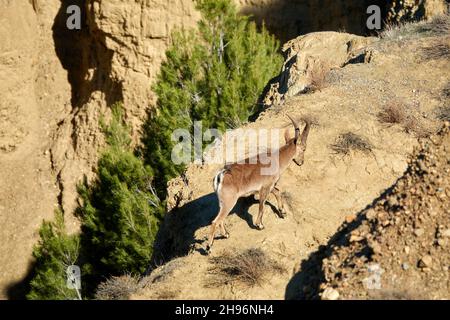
243, 179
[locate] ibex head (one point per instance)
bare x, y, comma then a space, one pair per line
300, 144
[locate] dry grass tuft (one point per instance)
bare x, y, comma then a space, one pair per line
351, 141
394, 112
397, 31
248, 268
440, 49
444, 113
438, 26
117, 288
446, 91
414, 126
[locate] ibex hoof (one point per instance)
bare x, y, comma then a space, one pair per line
226, 235
208, 249
260, 226
283, 214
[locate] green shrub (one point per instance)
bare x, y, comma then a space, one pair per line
120, 212
54, 253
214, 74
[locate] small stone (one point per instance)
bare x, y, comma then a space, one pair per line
442, 196
371, 215
392, 202
423, 167
419, 232
405, 266
355, 238
445, 233
350, 218
426, 261
330, 294
376, 248
442, 242
407, 250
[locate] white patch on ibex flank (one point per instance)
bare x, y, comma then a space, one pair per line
218, 179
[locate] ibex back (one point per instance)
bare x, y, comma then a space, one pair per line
243, 179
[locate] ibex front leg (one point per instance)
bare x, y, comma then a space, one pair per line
277, 193
263, 194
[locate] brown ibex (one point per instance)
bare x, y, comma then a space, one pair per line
243, 179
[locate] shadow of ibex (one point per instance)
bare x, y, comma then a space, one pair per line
176, 236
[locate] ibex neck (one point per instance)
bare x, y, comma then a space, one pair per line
287, 153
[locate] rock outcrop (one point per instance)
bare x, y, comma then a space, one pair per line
314, 53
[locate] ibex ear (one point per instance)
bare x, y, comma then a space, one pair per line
287, 136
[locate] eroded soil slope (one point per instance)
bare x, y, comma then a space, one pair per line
399, 248
332, 186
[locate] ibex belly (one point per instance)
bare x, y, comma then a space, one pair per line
255, 188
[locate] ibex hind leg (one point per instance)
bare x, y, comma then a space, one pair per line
224, 230
225, 208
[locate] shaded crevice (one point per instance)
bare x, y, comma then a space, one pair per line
60, 186
287, 20
83, 53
